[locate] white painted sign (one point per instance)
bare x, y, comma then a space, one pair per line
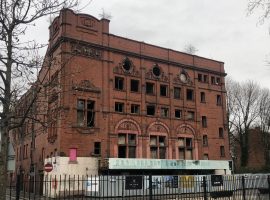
92, 184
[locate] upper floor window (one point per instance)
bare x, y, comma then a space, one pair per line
149, 88
190, 115
203, 78
135, 108
150, 110
126, 145
222, 151
86, 113
190, 95
205, 140
178, 113
156, 70
134, 85
204, 121
163, 90
219, 100
119, 107
220, 132
177, 92
158, 147
202, 97
164, 112
215, 80
119, 83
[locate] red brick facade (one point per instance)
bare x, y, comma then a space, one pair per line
110, 96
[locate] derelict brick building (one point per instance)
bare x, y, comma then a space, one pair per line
115, 98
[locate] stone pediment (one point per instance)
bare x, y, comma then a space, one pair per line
158, 127
119, 69
183, 78
86, 86
127, 125
162, 77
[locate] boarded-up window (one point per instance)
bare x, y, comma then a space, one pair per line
73, 154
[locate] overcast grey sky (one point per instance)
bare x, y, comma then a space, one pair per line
219, 29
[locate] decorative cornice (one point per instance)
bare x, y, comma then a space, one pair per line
86, 86
63, 39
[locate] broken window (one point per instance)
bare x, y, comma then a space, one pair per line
177, 92
135, 109
177, 113
218, 100
202, 97
222, 151
86, 113
190, 115
158, 147
97, 148
150, 110
163, 90
220, 133
205, 140
119, 107
126, 146
185, 149
134, 85
119, 83
204, 121
149, 88
164, 112
190, 95
200, 77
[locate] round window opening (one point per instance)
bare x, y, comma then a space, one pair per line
156, 70
127, 64
183, 77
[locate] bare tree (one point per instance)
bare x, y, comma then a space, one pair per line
261, 6
18, 61
264, 122
190, 49
243, 109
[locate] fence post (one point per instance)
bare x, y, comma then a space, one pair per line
244, 189
150, 188
204, 188
268, 180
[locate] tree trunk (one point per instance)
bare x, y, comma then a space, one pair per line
3, 160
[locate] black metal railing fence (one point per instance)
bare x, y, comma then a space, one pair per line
206, 187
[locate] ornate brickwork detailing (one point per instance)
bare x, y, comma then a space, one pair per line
88, 23
126, 67
127, 125
162, 77
86, 86
185, 129
183, 78
85, 50
158, 127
